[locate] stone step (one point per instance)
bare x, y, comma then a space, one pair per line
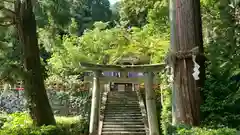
122, 120
122, 108
123, 115
126, 117
115, 100
122, 97
124, 129
122, 112
123, 133
114, 106
122, 92
124, 126
123, 102
122, 123
124, 105
120, 105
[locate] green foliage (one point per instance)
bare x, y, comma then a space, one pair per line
17, 120
158, 18
10, 54
115, 11
69, 83
134, 12
66, 57
166, 113
164, 96
10, 51
21, 124
221, 104
71, 90
100, 42
3, 119
221, 92
183, 130
79, 100
85, 12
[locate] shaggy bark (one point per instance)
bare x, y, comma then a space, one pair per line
189, 36
38, 103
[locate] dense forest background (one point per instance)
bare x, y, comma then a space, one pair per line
70, 31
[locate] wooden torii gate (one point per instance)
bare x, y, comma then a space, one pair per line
149, 93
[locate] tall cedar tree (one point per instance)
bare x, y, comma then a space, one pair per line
189, 36
39, 106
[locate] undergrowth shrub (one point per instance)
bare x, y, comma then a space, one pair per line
221, 102
166, 113
21, 124
187, 130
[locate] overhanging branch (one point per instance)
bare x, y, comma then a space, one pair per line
9, 1
7, 25
6, 21
7, 12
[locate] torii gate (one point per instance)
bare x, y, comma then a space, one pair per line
150, 96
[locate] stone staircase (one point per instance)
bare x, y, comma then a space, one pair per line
122, 115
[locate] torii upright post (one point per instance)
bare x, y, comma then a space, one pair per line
95, 106
151, 104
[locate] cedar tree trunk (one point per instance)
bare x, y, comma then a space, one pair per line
189, 36
40, 109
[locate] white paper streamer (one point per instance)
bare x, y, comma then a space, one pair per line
196, 71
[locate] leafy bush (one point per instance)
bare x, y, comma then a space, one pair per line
78, 101
66, 83
21, 124
221, 102
3, 119
183, 130
166, 112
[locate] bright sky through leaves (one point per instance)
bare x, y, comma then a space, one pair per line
113, 1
